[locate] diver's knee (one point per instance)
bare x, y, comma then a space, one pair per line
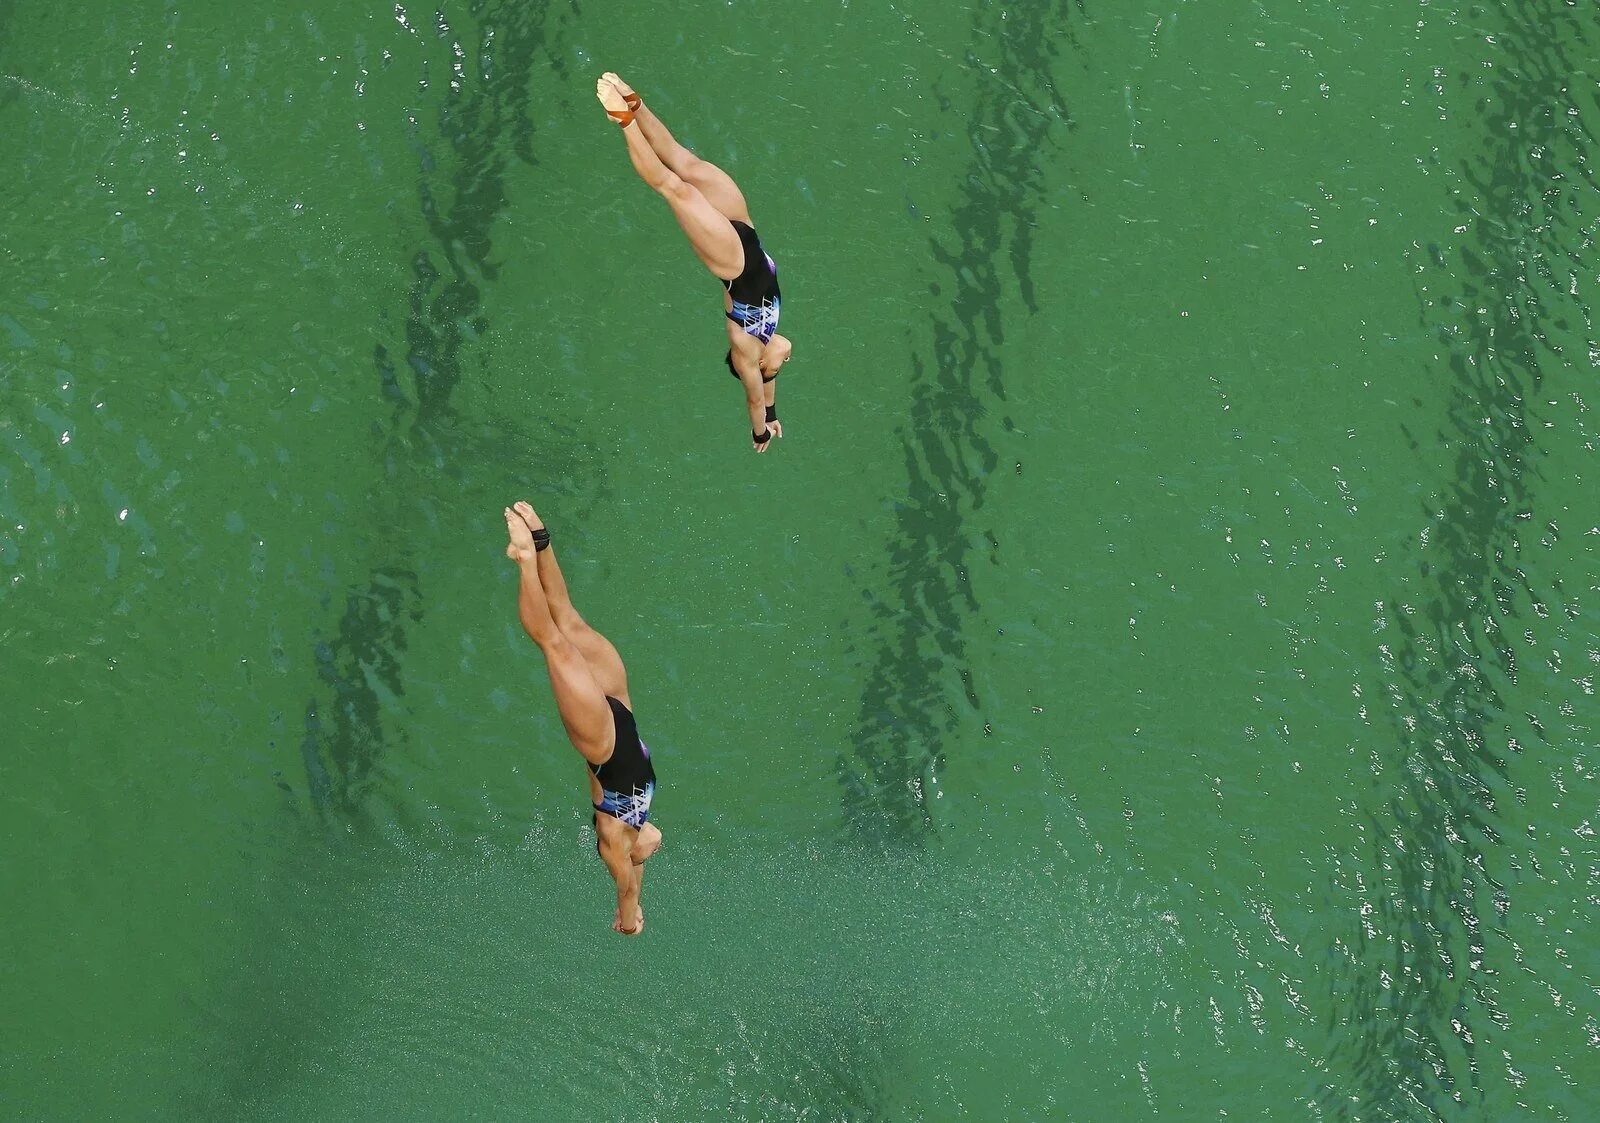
674, 188
569, 621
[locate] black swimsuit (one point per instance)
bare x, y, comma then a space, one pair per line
627, 778
755, 291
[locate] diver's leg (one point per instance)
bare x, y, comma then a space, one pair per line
719, 189
714, 183
579, 698
604, 662
715, 241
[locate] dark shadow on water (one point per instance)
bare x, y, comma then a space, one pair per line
921, 675
262, 1038
1417, 994
484, 127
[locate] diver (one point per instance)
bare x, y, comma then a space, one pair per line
591, 689
712, 211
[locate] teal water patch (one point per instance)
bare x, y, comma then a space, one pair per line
458, 980
17, 336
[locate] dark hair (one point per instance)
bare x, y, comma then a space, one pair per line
728, 358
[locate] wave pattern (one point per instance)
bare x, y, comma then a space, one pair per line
1420, 999
916, 630
485, 125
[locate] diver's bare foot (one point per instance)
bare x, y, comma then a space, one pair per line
638, 923
648, 842
610, 96
528, 514
616, 80
520, 548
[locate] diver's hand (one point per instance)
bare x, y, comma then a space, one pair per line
773, 429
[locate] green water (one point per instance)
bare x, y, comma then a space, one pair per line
1154, 676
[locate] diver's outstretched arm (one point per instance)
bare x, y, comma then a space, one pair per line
615, 847
748, 368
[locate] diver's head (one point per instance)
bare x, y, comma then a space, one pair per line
777, 353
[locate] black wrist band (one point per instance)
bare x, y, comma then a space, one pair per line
541, 540
761, 438
772, 413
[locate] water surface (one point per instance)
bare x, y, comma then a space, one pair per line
1154, 674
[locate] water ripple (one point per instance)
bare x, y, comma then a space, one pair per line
920, 661
1425, 984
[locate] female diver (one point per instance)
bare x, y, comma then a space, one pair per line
712, 211
591, 689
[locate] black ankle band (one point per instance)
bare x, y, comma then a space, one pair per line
772, 413
761, 438
541, 540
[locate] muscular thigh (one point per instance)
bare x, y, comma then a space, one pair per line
715, 242
604, 662
718, 188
